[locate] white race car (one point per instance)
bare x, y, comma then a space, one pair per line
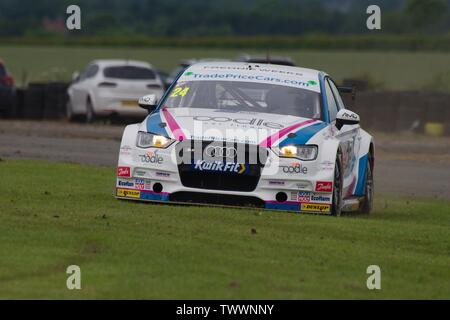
240, 134
112, 87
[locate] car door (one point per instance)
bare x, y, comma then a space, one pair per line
348, 136
80, 89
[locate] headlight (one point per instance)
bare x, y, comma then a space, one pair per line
150, 140
299, 152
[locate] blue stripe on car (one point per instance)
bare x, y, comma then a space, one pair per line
304, 135
283, 206
326, 116
151, 123
359, 190
154, 124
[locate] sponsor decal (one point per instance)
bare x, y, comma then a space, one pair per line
315, 207
243, 121
295, 82
295, 168
350, 116
140, 173
125, 184
319, 198
256, 67
238, 168
135, 194
324, 186
327, 165
300, 196
162, 174
303, 185
248, 140
276, 183
304, 196
151, 157
124, 172
125, 150
142, 184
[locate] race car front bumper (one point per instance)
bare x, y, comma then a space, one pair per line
283, 184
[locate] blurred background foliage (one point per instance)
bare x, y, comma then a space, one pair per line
180, 18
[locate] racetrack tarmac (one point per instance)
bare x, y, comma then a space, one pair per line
406, 164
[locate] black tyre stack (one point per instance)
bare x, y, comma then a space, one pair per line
40, 101
34, 101
55, 100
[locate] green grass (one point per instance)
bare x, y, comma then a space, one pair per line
393, 70
53, 215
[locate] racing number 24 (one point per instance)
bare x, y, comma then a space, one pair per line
179, 92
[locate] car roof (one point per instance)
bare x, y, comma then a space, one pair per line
255, 66
117, 62
279, 60
189, 62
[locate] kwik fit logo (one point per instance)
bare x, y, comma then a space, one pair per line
237, 168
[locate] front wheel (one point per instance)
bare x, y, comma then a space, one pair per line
90, 113
367, 203
336, 207
69, 111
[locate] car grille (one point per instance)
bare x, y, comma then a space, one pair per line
247, 162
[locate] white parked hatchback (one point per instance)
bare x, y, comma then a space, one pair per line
112, 87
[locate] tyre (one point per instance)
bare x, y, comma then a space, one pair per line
90, 113
367, 203
69, 111
336, 206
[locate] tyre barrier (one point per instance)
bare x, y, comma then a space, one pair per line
386, 111
38, 101
396, 111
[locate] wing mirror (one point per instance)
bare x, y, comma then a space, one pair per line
75, 76
346, 117
148, 102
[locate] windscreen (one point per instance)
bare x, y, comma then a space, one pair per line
234, 96
129, 73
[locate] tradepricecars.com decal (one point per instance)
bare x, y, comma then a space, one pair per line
308, 83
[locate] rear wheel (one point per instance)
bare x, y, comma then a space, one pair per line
90, 113
336, 207
367, 203
69, 111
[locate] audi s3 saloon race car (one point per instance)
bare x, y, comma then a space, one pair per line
112, 87
243, 134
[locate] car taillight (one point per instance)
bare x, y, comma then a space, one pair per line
107, 85
7, 80
153, 86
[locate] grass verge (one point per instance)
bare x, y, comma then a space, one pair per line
53, 215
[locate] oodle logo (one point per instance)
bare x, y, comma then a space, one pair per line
295, 168
250, 122
151, 157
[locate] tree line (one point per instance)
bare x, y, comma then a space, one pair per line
191, 18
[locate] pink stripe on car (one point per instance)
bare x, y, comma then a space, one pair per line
269, 141
173, 125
